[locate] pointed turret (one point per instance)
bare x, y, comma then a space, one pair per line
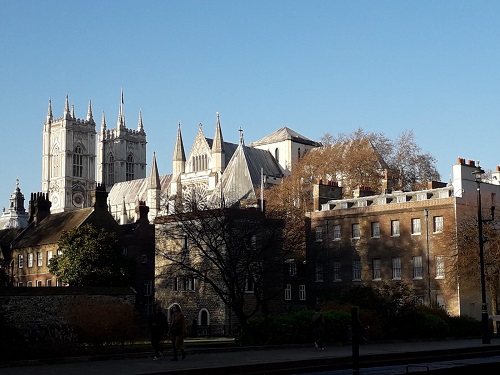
120, 123
49, 112
72, 111
154, 190
179, 154
90, 117
124, 216
66, 114
154, 176
218, 155
103, 123
140, 126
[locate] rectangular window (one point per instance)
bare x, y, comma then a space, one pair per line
292, 269
444, 193
59, 282
49, 256
319, 273
396, 268
148, 288
48, 282
337, 270
401, 198
438, 224
249, 284
189, 282
355, 231
39, 259
288, 292
439, 267
336, 232
395, 228
375, 229
59, 252
417, 267
319, 234
39, 283
144, 258
421, 196
302, 292
185, 243
29, 283
415, 226
30, 260
175, 284
376, 269
19, 283
20, 261
356, 269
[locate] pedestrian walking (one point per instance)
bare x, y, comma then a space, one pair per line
177, 331
158, 324
318, 326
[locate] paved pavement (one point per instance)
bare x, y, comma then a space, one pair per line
395, 357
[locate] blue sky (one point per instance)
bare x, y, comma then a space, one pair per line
315, 66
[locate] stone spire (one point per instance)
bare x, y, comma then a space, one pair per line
154, 176
179, 154
49, 112
124, 216
66, 114
90, 117
218, 155
103, 123
120, 123
218, 140
72, 111
140, 126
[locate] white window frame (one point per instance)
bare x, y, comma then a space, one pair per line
396, 268
39, 283
319, 234
29, 284
356, 231
356, 270
20, 261
337, 234
49, 256
39, 259
337, 270
395, 228
416, 226
288, 292
418, 269
440, 273
302, 292
148, 288
48, 282
438, 224
375, 229
377, 271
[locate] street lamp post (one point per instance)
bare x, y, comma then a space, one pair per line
478, 172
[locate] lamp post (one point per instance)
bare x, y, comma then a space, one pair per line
478, 172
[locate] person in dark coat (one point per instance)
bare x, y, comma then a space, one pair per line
318, 325
158, 325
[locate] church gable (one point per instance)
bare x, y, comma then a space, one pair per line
200, 155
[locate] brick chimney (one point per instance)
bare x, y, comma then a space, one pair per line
363, 191
387, 183
39, 207
99, 197
323, 193
141, 212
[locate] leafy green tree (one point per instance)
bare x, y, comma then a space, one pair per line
91, 257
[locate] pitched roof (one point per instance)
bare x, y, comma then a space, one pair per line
283, 134
50, 229
243, 173
130, 190
228, 148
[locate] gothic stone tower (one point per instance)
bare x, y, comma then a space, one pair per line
68, 159
121, 152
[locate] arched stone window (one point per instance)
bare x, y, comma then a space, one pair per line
277, 154
111, 170
78, 162
129, 168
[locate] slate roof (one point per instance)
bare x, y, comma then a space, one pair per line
228, 148
6, 238
50, 229
283, 134
135, 188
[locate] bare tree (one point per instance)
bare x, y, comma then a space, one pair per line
237, 253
